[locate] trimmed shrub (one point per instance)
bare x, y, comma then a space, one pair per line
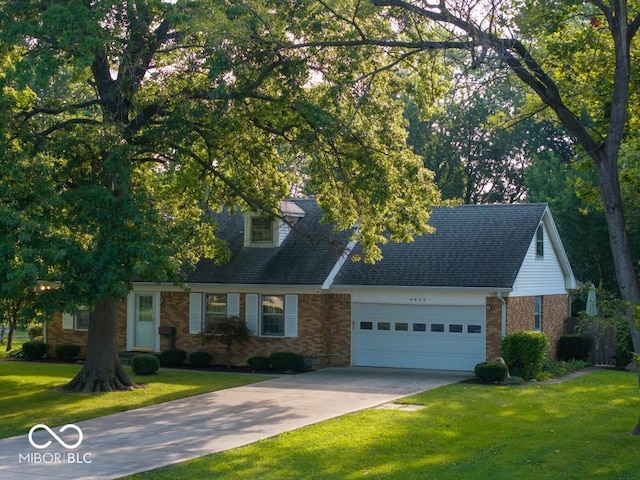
574, 347
525, 353
67, 352
34, 350
284, 361
200, 359
259, 363
490, 372
145, 364
35, 331
173, 357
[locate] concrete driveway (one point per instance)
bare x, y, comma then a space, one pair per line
159, 435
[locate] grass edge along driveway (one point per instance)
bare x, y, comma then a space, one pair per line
28, 393
572, 430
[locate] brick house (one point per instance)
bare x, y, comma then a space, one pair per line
443, 301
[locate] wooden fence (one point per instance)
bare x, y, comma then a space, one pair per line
603, 341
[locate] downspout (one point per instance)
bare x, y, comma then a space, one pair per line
503, 314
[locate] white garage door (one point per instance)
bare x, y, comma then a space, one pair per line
418, 336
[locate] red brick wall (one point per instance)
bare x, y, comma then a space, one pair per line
494, 327
520, 311
324, 329
56, 335
555, 309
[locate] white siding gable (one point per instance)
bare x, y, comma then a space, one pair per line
283, 231
540, 275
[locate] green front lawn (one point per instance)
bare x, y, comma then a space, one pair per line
28, 394
573, 430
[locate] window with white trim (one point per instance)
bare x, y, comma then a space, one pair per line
537, 313
206, 308
540, 241
272, 310
215, 309
272, 315
77, 321
81, 319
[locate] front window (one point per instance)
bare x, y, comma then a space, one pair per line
261, 230
537, 313
273, 315
215, 309
81, 319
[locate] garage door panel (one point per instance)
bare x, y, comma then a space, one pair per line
424, 336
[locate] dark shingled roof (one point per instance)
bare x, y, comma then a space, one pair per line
473, 246
306, 257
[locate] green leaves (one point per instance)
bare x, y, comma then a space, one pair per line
133, 119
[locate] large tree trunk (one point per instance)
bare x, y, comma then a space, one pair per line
102, 370
606, 166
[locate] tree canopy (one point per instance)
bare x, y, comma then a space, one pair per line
127, 122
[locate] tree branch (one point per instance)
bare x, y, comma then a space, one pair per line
67, 123
515, 54
422, 45
57, 111
633, 27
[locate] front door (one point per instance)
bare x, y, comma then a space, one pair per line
145, 324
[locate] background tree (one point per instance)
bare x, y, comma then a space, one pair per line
25, 211
476, 143
148, 115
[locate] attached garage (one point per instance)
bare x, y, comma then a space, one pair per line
445, 337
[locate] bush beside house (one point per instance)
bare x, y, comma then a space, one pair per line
145, 364
489, 372
34, 350
525, 353
67, 352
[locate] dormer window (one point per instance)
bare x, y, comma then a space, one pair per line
262, 231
